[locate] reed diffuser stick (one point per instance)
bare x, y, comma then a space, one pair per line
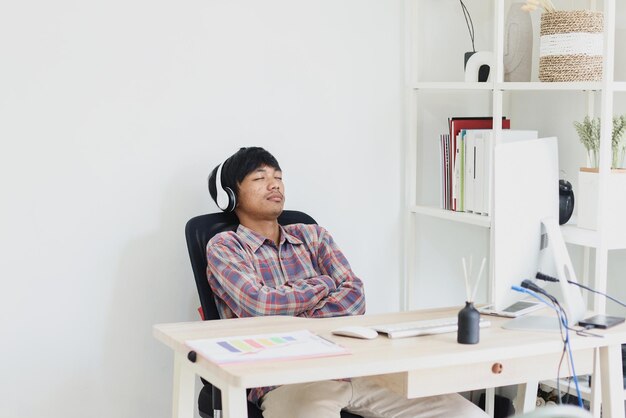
480, 275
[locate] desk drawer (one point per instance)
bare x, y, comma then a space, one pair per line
496, 373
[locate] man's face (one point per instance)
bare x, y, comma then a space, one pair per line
262, 194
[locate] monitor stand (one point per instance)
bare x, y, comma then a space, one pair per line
533, 323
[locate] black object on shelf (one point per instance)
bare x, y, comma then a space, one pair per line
566, 201
483, 70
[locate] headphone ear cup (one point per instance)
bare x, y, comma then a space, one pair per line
225, 197
232, 200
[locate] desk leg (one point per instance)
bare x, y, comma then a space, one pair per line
526, 399
612, 381
490, 401
234, 402
595, 401
184, 388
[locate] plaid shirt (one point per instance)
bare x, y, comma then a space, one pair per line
305, 275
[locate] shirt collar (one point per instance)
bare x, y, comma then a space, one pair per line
256, 240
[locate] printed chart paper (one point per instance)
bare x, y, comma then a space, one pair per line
263, 347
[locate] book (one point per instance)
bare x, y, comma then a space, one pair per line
445, 169
461, 197
488, 138
457, 178
468, 184
479, 173
265, 347
482, 185
456, 124
457, 166
442, 173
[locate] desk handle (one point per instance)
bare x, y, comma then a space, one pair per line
496, 368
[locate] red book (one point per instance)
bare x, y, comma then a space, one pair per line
456, 124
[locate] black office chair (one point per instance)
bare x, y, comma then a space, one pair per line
199, 231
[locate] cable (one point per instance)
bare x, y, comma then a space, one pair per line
554, 305
585, 332
547, 278
469, 23
563, 324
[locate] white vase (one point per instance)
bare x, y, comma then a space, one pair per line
587, 201
518, 44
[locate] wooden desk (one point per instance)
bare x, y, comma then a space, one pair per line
416, 367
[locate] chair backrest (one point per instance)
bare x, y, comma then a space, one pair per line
201, 229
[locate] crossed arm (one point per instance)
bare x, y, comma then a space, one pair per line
334, 291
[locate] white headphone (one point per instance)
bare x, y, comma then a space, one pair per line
225, 197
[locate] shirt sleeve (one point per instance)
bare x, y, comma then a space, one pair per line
242, 290
348, 297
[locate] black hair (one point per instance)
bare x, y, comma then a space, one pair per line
239, 165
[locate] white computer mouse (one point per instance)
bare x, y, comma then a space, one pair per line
356, 332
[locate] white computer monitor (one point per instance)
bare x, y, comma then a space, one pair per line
555, 262
526, 195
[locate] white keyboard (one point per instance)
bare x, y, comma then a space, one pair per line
424, 327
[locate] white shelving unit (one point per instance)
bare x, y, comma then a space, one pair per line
600, 241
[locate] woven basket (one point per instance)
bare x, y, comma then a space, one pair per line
571, 46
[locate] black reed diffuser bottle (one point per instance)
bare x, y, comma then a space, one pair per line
469, 325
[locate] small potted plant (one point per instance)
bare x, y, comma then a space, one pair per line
589, 132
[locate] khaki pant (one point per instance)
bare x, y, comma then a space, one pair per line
363, 397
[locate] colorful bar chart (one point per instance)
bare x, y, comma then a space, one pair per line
264, 347
251, 345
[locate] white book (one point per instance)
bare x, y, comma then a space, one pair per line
461, 172
479, 175
514, 135
446, 168
456, 179
486, 156
488, 171
442, 176
469, 170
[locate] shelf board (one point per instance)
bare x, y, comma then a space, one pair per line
572, 234
515, 86
585, 389
562, 86
463, 217
452, 85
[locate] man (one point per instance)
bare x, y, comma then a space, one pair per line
264, 268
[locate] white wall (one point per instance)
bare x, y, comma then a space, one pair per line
113, 112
